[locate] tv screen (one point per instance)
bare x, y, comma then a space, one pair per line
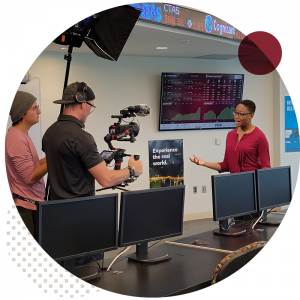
233, 195
199, 100
78, 227
273, 187
149, 215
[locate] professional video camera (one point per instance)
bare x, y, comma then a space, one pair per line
123, 132
120, 132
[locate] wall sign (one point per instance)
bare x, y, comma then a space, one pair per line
165, 163
292, 143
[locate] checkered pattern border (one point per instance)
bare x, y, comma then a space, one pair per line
36, 266
233, 255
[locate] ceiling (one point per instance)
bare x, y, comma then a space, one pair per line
145, 37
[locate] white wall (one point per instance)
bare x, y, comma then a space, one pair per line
135, 80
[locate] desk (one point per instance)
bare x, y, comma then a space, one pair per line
188, 271
230, 243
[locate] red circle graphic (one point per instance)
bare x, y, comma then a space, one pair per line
260, 53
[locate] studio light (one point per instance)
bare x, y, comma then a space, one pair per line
105, 33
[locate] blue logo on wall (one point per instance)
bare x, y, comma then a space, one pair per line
208, 23
149, 11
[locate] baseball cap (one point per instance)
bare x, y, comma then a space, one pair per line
71, 90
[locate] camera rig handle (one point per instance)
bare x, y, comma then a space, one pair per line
118, 157
108, 139
119, 153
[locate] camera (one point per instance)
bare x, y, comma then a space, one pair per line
123, 132
120, 132
129, 131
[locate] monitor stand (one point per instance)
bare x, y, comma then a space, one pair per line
234, 230
82, 272
143, 256
269, 220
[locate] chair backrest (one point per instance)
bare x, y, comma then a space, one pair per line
236, 260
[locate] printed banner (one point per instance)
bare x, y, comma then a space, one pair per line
292, 143
165, 163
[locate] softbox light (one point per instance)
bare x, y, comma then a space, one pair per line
105, 33
109, 32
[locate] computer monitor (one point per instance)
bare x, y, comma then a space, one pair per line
69, 229
149, 215
273, 189
233, 195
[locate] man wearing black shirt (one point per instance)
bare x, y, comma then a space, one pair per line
72, 155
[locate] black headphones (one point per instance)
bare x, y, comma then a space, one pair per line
81, 96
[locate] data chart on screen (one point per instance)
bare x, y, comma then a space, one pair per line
199, 100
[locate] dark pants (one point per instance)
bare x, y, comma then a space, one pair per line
29, 218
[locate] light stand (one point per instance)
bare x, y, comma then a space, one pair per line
105, 33
68, 58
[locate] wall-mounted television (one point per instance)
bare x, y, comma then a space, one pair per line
199, 100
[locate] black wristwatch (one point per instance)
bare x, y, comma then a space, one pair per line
132, 171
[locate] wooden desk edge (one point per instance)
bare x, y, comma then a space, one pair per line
198, 247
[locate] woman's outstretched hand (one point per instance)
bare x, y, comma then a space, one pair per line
197, 160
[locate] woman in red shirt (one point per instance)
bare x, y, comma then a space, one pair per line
247, 148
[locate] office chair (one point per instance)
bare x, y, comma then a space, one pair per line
236, 260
